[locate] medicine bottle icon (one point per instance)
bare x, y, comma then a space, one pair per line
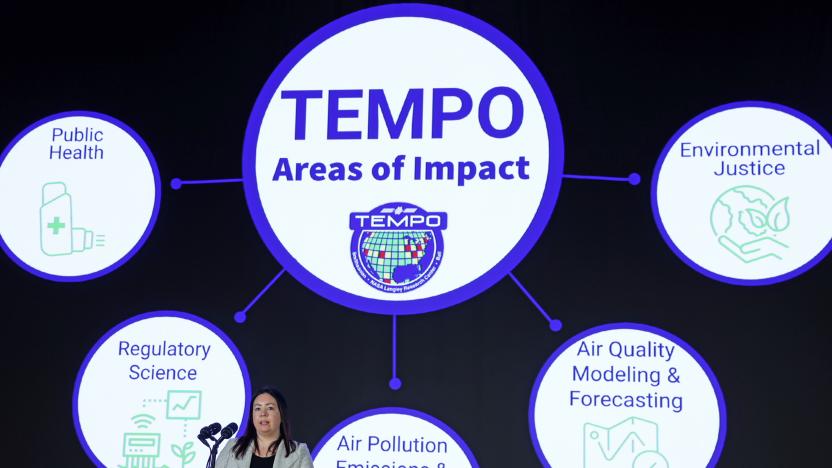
58, 235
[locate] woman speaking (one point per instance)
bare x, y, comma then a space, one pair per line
267, 441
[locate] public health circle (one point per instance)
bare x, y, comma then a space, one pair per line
393, 437
149, 385
83, 191
403, 159
627, 396
741, 193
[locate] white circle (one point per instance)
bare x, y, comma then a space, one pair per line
486, 218
123, 416
580, 417
749, 227
384, 438
75, 207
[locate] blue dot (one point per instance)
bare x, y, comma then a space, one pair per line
395, 383
634, 179
555, 325
240, 317
176, 183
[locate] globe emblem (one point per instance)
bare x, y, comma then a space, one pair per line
397, 247
749, 222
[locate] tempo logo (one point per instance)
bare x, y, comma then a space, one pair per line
397, 247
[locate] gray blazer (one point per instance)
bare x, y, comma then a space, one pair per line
300, 458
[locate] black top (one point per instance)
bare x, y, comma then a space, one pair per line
258, 462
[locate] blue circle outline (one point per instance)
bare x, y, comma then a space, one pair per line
477, 285
723, 415
156, 203
402, 411
654, 202
138, 318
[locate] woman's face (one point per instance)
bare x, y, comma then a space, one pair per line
266, 416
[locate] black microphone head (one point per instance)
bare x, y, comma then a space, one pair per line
229, 430
214, 428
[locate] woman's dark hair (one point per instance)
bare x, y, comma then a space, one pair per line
250, 434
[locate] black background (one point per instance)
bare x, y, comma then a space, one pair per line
625, 78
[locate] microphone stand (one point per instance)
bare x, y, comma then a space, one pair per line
225, 434
212, 458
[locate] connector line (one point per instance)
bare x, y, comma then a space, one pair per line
240, 317
554, 324
177, 183
633, 179
395, 382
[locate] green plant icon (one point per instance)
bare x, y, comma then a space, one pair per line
746, 221
184, 453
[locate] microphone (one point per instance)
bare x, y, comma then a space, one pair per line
228, 431
225, 433
208, 432
214, 428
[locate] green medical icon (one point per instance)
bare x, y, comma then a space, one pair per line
746, 221
184, 404
58, 235
629, 444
